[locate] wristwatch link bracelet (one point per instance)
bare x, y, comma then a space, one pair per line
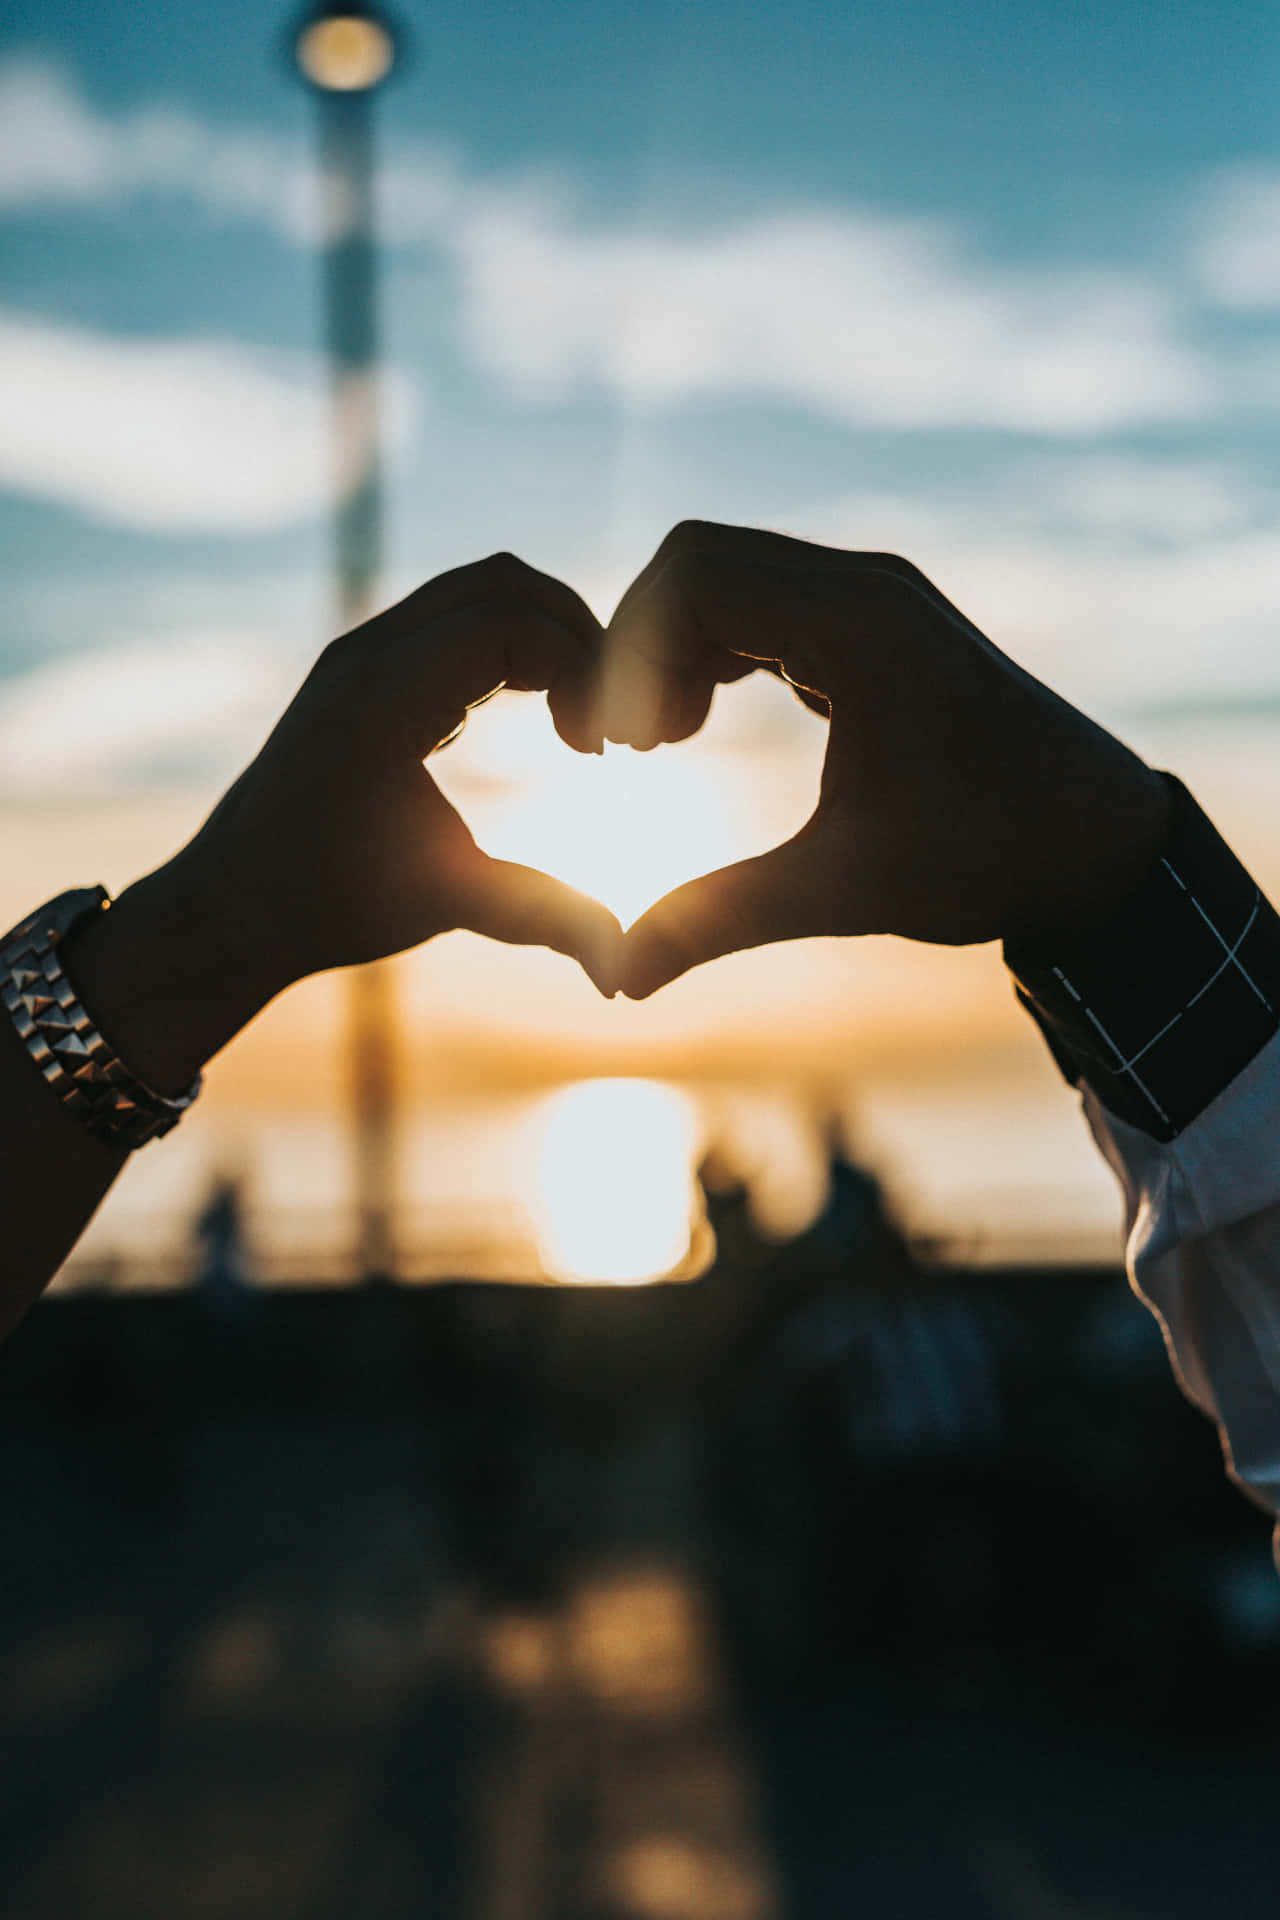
79, 1067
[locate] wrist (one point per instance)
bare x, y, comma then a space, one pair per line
167, 977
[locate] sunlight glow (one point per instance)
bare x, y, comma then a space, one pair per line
624, 827
613, 1170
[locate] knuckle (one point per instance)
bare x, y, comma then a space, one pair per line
337, 661
504, 571
895, 574
681, 566
684, 537
883, 589
497, 573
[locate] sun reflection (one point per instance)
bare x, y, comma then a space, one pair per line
613, 1192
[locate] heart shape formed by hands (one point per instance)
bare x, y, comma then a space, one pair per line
960, 799
628, 828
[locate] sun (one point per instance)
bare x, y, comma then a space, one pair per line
612, 1189
622, 826
625, 828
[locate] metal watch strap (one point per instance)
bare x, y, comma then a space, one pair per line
77, 1064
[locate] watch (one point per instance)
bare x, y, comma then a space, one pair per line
77, 1064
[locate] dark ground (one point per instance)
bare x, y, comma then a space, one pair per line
822, 1587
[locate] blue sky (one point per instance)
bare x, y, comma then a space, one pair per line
997, 285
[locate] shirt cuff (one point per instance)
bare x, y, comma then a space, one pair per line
1159, 1008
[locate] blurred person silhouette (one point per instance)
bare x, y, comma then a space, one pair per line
222, 1266
961, 801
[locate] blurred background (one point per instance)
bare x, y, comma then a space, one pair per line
515, 1455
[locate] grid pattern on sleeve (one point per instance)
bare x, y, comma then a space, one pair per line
1160, 1008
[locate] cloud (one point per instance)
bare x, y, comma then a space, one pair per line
868, 318
191, 708
1124, 618
54, 147
1121, 622
1161, 499
57, 149
173, 436
871, 319
1235, 239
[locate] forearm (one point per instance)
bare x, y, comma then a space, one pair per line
162, 982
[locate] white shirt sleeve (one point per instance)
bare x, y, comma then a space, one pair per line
1203, 1252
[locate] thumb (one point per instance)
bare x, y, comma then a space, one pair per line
527, 908
784, 894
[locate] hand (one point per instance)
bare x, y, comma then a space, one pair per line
335, 845
960, 800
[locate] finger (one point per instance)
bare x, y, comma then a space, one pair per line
501, 576
654, 649
659, 669
698, 622
526, 908
818, 703
730, 547
706, 603
575, 710
687, 703
421, 691
466, 633
711, 537
781, 568
795, 607
780, 895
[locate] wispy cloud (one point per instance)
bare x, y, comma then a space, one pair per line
1076, 569
1135, 587
1235, 238
188, 710
1165, 500
873, 319
863, 316
169, 435
57, 148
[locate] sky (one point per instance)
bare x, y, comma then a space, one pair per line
994, 285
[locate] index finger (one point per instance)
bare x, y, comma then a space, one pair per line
744, 545
682, 627
718, 594
497, 622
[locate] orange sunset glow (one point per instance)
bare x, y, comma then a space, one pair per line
916, 1055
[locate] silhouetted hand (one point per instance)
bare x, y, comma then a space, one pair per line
960, 801
335, 845
337, 833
